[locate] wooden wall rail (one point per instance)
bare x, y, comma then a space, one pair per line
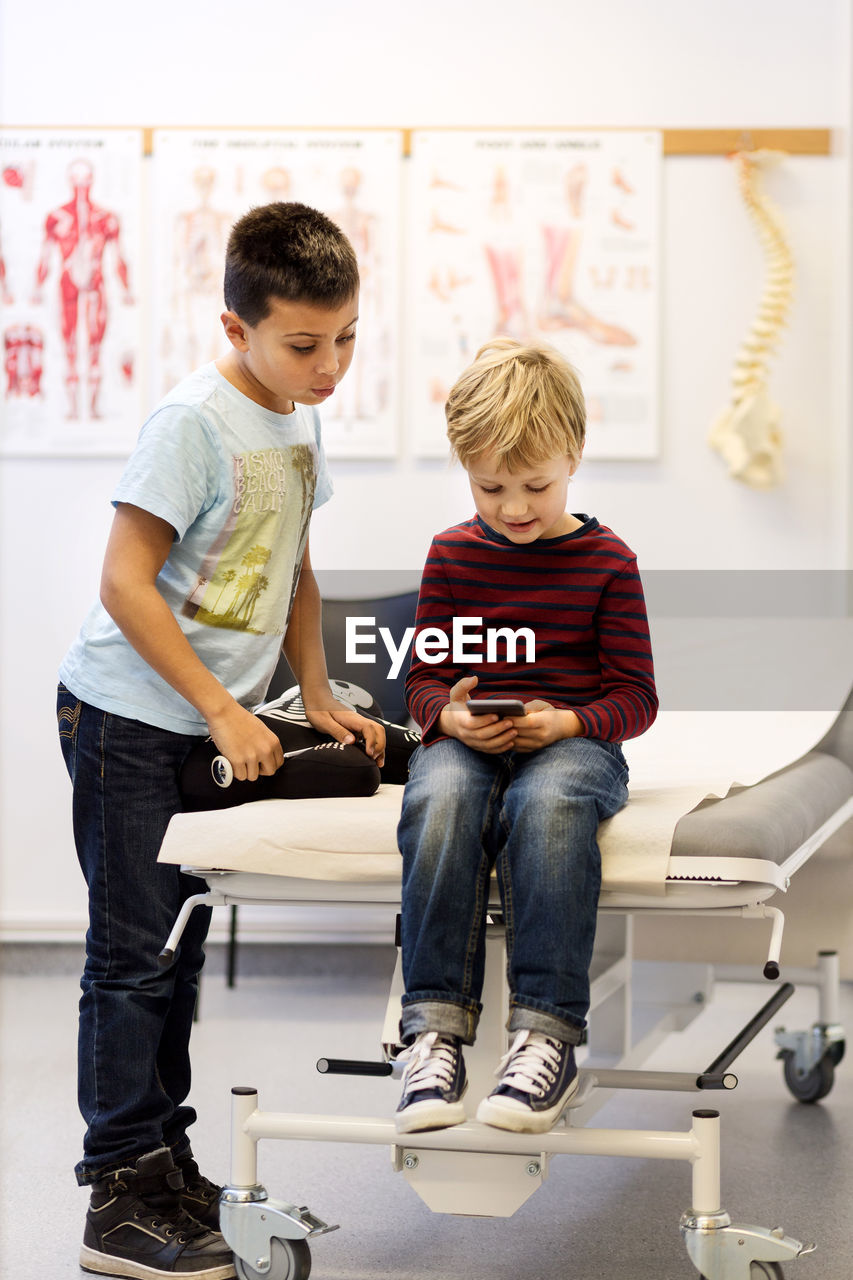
676, 142
723, 142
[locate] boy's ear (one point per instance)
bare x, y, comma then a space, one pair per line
236, 330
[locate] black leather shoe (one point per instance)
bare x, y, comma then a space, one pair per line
200, 1196
136, 1226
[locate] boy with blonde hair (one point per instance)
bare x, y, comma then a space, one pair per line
522, 795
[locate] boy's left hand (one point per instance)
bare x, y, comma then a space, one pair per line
344, 724
544, 724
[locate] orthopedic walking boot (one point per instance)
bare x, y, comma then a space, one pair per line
538, 1078
433, 1084
200, 1196
136, 1226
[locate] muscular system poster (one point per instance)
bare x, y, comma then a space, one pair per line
70, 264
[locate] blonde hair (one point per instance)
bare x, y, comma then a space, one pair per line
522, 403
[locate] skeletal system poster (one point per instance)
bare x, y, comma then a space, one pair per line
69, 287
205, 180
544, 236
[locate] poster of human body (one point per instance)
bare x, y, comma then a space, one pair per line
540, 236
205, 180
69, 287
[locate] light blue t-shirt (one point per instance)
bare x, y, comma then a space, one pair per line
238, 484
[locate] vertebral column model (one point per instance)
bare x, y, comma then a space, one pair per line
81, 231
747, 433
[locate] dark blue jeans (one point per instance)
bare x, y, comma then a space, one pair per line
135, 1018
533, 817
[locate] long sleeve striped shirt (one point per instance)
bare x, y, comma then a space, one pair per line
562, 619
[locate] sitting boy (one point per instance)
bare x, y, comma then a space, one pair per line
521, 795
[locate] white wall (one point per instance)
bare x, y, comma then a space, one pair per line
485, 62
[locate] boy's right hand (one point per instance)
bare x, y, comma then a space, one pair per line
491, 734
247, 744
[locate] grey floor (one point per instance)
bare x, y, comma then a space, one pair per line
594, 1218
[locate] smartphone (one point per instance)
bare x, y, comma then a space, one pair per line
496, 706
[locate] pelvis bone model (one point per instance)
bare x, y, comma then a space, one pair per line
747, 433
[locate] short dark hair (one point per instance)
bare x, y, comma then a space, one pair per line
287, 250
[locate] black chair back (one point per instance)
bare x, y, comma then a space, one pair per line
397, 613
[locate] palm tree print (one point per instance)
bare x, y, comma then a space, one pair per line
250, 584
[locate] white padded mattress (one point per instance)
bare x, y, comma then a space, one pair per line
354, 839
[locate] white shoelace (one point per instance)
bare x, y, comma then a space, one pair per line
531, 1064
431, 1063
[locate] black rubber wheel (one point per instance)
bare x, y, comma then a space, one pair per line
289, 1260
809, 1086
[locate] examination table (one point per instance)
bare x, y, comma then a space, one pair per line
711, 847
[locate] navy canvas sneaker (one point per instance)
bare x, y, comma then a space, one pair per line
538, 1078
433, 1084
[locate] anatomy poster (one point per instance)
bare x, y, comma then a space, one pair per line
205, 180
70, 268
545, 236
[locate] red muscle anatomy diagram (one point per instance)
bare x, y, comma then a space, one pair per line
5, 295
82, 234
23, 346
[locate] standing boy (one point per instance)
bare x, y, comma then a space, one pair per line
521, 795
206, 576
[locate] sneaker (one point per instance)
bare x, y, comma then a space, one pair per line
537, 1080
136, 1227
200, 1196
433, 1084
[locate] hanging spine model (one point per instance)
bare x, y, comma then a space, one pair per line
747, 434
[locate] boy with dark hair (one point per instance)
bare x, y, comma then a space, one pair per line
319, 267
522, 795
206, 578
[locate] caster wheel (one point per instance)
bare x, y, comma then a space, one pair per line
289, 1260
809, 1086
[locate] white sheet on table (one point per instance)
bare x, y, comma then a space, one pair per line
346, 839
685, 757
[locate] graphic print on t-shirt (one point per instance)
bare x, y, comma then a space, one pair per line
249, 575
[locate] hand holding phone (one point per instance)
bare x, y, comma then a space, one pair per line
495, 706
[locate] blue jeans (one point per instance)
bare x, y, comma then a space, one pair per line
135, 1018
534, 818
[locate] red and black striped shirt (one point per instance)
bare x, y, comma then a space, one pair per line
580, 596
